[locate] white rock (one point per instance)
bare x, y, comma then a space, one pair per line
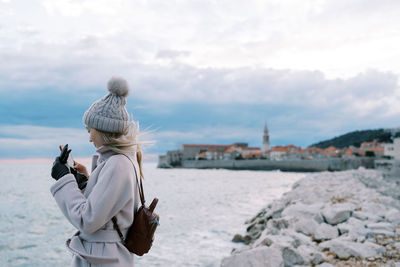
292, 256
377, 232
337, 213
258, 257
353, 229
306, 226
393, 216
361, 215
275, 209
325, 264
278, 224
303, 210
325, 232
317, 258
298, 238
280, 240
381, 226
346, 249
377, 209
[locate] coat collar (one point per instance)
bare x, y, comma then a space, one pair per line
105, 153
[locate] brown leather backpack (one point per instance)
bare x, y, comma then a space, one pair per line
140, 235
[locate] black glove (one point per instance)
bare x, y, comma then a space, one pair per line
81, 179
59, 168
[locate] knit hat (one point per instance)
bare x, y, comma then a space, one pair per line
109, 113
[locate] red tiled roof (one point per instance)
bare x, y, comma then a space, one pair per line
230, 149
331, 148
251, 155
368, 144
279, 148
291, 146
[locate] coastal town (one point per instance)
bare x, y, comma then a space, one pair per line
376, 154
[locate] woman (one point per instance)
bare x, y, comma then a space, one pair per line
111, 189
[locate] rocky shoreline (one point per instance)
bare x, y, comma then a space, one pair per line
349, 218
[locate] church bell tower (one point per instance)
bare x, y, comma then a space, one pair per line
265, 146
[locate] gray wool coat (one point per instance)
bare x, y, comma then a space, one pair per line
111, 191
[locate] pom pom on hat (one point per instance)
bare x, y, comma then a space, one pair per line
109, 113
118, 86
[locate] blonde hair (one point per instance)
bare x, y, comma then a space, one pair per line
125, 142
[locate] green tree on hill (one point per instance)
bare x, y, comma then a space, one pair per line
356, 138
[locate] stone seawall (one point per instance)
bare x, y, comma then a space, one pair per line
313, 165
328, 219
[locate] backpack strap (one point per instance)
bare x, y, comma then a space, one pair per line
116, 227
141, 193
114, 219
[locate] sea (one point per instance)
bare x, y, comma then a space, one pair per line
200, 212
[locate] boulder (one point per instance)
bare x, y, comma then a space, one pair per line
291, 257
306, 226
377, 209
325, 232
381, 226
275, 209
353, 229
393, 216
242, 239
278, 224
363, 216
337, 213
299, 239
346, 249
316, 258
257, 257
325, 264
279, 240
377, 232
303, 210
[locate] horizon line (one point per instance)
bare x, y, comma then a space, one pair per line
149, 158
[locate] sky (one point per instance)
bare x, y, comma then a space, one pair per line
199, 71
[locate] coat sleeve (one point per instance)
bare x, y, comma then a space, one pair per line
111, 193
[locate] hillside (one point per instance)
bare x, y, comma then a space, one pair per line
356, 138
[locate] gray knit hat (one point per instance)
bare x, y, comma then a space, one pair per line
109, 113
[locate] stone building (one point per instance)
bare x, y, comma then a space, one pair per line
189, 152
266, 145
393, 150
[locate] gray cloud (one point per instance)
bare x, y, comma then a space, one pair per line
27, 30
171, 54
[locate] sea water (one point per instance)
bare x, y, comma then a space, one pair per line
200, 211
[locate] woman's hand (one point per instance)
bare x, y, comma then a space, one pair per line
59, 168
81, 168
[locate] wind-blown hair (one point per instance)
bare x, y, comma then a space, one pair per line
128, 141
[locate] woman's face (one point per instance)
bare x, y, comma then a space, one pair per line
95, 137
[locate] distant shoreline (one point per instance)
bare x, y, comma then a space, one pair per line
291, 165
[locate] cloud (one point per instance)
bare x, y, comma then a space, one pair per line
311, 68
209, 133
171, 54
24, 141
340, 39
184, 92
71, 8
27, 30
